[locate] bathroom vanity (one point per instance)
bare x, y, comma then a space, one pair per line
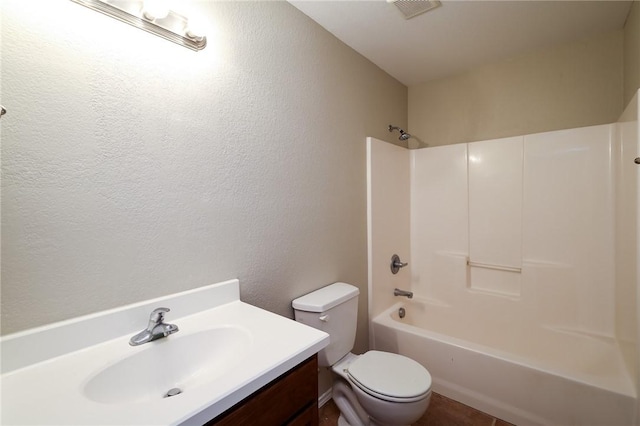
229, 363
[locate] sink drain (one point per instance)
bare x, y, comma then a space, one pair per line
173, 392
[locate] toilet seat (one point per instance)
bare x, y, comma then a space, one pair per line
390, 377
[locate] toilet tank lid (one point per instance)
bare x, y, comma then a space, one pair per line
326, 297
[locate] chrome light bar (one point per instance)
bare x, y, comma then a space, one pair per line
168, 25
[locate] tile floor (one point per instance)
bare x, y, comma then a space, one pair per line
442, 412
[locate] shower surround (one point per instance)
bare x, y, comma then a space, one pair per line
523, 261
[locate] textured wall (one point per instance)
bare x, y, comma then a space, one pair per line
632, 53
134, 168
567, 86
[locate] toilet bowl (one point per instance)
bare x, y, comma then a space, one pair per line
375, 388
392, 389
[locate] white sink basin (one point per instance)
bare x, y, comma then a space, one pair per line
182, 362
84, 372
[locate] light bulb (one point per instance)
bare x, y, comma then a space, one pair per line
155, 9
195, 29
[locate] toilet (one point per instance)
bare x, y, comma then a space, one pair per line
375, 388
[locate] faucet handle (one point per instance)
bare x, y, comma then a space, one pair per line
396, 264
158, 314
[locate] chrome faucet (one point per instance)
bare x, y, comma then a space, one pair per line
398, 292
157, 328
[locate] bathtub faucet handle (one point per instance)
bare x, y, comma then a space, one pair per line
396, 264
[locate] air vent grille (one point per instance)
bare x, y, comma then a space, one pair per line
412, 8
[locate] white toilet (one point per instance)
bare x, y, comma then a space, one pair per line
376, 388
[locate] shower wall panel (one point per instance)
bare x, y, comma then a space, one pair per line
439, 220
387, 221
627, 237
495, 215
568, 219
543, 203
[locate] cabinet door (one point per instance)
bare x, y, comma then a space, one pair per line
309, 417
289, 399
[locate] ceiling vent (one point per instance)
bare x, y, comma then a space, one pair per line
412, 8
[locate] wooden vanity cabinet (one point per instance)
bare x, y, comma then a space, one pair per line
291, 399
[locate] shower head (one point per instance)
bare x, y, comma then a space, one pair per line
403, 135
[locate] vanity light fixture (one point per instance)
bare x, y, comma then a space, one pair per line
153, 16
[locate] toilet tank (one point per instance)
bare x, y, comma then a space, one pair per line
334, 310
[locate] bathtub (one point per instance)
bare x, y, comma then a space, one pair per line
524, 374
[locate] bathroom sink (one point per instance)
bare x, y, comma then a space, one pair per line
84, 371
176, 363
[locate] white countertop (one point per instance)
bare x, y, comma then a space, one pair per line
52, 391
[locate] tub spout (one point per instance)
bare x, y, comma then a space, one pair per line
398, 292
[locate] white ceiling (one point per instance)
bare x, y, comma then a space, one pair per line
459, 34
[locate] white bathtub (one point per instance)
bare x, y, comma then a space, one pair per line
527, 375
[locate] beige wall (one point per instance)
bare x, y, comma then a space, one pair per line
566, 86
632, 53
133, 167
